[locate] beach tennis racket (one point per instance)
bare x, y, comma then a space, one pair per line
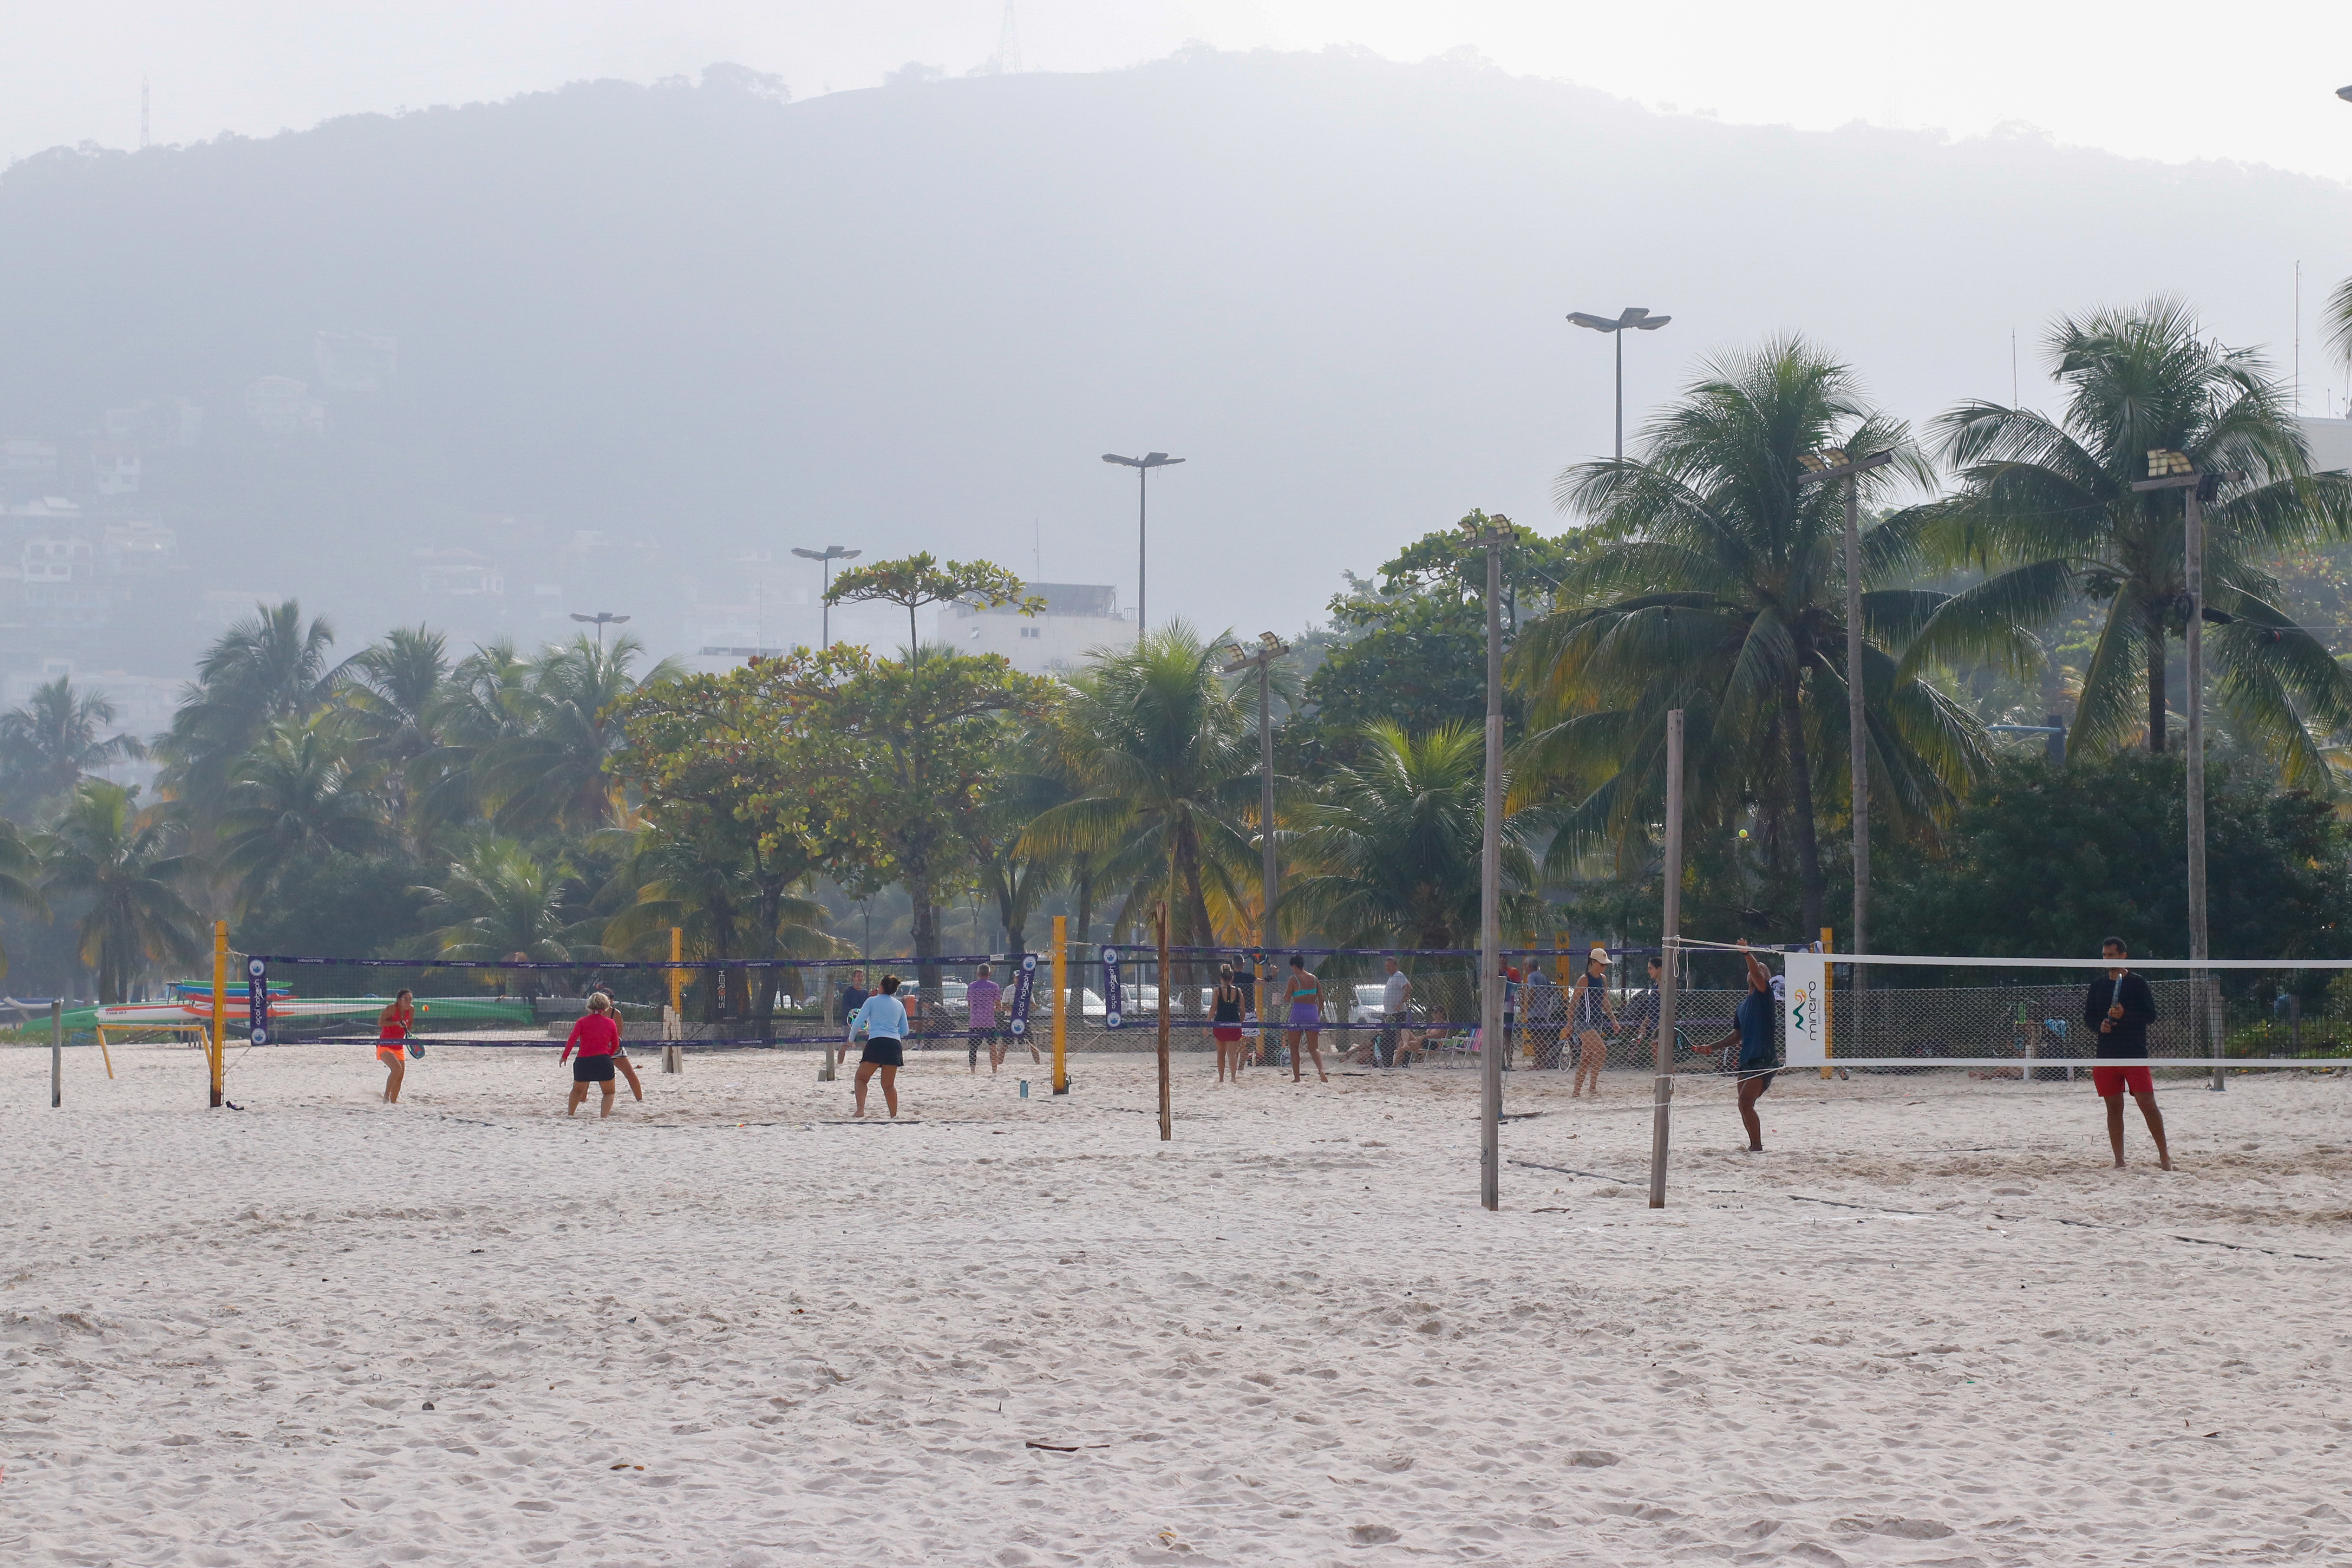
417, 1050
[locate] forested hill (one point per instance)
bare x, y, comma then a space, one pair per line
704, 318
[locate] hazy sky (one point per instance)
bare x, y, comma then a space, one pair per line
2253, 81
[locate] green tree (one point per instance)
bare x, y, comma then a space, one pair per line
2046, 859
48, 744
546, 769
393, 693
267, 667
1410, 648
725, 767
122, 865
917, 580
20, 879
901, 758
1396, 844
2046, 509
1718, 588
1166, 758
498, 900
295, 798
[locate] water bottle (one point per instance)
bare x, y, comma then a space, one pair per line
1025, 1088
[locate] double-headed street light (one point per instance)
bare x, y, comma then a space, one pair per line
599, 620
1142, 467
829, 554
1633, 319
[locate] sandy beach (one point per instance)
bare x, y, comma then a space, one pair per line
729, 1327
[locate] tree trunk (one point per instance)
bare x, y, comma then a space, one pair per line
924, 920
2155, 691
1801, 788
763, 945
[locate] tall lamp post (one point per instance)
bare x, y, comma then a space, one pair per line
1142, 467
1633, 319
1820, 469
2170, 470
1270, 647
1496, 534
828, 556
599, 620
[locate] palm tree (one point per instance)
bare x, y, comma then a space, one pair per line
295, 795
50, 743
481, 702
1720, 590
20, 879
714, 894
266, 668
1165, 756
498, 900
122, 862
393, 690
549, 770
1397, 842
2046, 508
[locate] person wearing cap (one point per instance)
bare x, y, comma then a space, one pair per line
1589, 1013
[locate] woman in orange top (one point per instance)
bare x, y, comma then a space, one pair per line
392, 1033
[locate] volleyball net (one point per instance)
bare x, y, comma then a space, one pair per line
2047, 1019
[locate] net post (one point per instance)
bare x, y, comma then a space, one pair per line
220, 1004
1663, 1082
1061, 1004
673, 1054
1829, 1013
1160, 921
57, 1053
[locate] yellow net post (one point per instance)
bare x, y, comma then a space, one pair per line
220, 1004
676, 976
674, 1053
1061, 1004
1828, 1017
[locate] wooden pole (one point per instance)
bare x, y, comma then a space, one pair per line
57, 1052
220, 1004
1670, 938
1160, 918
1061, 1004
103, 1054
1829, 1001
1490, 887
2193, 555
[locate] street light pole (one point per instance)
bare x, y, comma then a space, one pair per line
1496, 534
828, 556
2170, 470
1270, 647
1820, 470
1633, 319
1142, 467
599, 620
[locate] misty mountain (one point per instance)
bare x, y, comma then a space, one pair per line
619, 347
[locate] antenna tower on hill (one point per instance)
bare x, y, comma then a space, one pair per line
1008, 44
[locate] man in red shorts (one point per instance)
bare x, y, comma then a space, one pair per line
2120, 1007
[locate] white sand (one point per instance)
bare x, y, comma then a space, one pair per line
1289, 1337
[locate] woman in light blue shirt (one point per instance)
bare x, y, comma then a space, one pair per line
881, 1021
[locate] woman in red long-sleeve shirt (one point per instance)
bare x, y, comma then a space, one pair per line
598, 1037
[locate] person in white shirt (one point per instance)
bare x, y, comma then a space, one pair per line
881, 1022
1396, 1008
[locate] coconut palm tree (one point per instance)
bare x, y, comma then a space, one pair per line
1719, 589
1165, 757
1396, 844
124, 864
266, 668
549, 770
2046, 509
393, 690
20, 879
711, 893
498, 900
50, 743
481, 702
294, 795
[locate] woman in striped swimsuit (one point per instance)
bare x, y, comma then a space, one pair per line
1306, 1016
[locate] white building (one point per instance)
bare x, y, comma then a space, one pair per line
282, 405
1078, 619
2331, 442
459, 574
356, 361
138, 546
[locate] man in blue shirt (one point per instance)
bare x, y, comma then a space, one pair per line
1752, 1033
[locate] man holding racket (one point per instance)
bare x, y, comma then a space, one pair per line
1752, 1033
2120, 1007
